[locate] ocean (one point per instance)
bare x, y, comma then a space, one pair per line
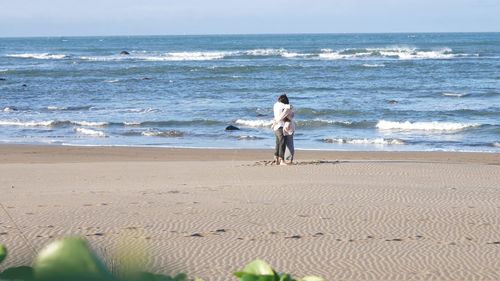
389, 92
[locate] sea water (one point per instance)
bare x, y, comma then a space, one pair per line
349, 91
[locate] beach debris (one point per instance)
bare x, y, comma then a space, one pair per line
294, 237
146, 78
125, 53
494, 243
2, 79
220, 230
232, 128
392, 102
196, 235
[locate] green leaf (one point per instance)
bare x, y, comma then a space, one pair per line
69, 259
312, 278
258, 267
24, 273
3, 252
243, 276
285, 277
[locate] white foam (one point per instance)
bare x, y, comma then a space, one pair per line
189, 56
154, 133
402, 53
141, 110
373, 65
89, 124
4, 70
89, 132
265, 52
254, 123
132, 123
457, 95
42, 56
496, 144
111, 81
27, 123
172, 56
332, 121
424, 126
9, 109
377, 141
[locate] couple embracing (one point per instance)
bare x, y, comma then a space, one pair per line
284, 128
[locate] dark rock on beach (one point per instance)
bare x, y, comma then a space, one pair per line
232, 128
125, 53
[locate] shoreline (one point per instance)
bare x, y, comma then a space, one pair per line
21, 153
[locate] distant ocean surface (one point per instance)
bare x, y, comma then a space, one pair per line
397, 92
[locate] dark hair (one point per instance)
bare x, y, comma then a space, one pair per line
283, 99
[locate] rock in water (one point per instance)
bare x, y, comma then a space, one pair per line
232, 128
125, 53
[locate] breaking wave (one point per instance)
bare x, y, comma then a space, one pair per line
377, 141
157, 133
424, 126
40, 56
401, 53
254, 123
89, 132
456, 95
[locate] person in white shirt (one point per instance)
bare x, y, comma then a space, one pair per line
281, 111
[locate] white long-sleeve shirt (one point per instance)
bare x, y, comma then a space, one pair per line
278, 110
282, 111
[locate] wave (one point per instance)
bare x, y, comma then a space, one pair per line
139, 110
377, 141
373, 65
10, 109
457, 95
424, 126
18, 123
315, 123
272, 52
41, 56
51, 123
69, 108
496, 144
89, 132
254, 123
249, 138
156, 133
172, 56
401, 53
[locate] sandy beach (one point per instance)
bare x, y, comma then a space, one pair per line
339, 215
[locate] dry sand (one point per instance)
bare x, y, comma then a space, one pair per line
370, 216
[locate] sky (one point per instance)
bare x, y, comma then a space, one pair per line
164, 17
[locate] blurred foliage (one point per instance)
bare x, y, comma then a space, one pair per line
72, 259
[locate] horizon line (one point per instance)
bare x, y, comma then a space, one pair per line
248, 34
